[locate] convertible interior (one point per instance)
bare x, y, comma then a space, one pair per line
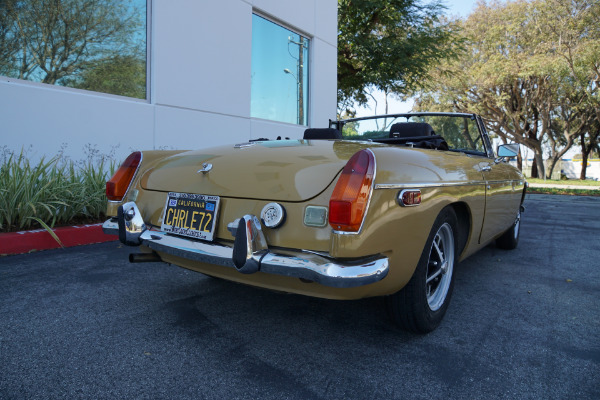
413, 134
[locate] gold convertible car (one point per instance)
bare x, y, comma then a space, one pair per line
378, 206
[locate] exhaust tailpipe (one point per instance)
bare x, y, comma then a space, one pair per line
143, 257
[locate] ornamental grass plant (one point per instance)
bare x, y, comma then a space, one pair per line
51, 192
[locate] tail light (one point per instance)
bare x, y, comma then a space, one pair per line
350, 198
117, 186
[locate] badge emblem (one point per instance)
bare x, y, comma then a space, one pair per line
205, 168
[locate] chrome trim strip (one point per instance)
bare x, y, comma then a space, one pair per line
418, 185
302, 264
412, 114
508, 182
426, 184
244, 145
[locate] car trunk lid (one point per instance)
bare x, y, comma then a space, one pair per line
282, 170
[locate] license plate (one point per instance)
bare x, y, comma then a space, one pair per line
192, 215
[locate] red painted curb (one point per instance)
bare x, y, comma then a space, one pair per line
40, 239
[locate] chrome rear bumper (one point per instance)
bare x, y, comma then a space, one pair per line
249, 253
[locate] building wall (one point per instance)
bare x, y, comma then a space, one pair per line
199, 92
572, 168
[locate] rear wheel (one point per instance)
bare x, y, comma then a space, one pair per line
510, 239
420, 306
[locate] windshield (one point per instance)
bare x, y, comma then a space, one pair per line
459, 131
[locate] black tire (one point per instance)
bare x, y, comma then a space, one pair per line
421, 305
510, 239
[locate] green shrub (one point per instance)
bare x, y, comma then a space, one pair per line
54, 192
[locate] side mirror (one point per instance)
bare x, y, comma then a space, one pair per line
508, 150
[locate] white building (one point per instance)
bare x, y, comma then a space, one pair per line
216, 73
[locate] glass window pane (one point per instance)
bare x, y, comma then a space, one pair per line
95, 45
279, 73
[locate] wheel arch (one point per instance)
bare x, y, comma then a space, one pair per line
464, 225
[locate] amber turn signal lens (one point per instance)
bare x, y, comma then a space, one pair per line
117, 186
348, 203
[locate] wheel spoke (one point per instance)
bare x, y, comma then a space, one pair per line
434, 275
436, 246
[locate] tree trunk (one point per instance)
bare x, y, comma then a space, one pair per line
538, 163
551, 167
584, 159
534, 171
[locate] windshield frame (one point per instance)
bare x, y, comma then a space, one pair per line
339, 125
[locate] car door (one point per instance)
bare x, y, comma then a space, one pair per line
502, 198
503, 191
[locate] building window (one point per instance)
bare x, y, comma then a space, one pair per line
279, 73
95, 45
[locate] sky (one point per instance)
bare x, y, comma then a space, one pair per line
460, 8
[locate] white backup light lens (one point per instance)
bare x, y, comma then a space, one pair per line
315, 216
272, 215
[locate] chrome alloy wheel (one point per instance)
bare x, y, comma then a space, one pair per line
440, 267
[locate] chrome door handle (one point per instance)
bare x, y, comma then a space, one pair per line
487, 168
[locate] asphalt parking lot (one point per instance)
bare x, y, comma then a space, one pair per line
524, 324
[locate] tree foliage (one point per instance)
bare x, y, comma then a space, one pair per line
388, 45
60, 41
531, 70
121, 75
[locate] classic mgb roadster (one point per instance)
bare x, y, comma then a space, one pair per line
378, 206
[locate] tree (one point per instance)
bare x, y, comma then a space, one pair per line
516, 74
590, 144
9, 45
574, 35
121, 75
50, 41
388, 45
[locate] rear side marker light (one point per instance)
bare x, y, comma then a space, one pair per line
117, 186
350, 199
409, 198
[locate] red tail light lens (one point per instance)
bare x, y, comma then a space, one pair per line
117, 186
348, 203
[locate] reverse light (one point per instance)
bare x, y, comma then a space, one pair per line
315, 216
350, 198
117, 186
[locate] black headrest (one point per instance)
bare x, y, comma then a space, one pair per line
322, 133
411, 129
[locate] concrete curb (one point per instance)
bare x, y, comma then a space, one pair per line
39, 239
551, 186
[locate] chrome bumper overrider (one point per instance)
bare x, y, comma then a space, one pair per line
249, 253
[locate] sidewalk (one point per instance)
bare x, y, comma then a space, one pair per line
555, 186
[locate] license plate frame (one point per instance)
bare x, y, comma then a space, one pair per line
191, 215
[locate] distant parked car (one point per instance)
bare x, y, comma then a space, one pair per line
379, 206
